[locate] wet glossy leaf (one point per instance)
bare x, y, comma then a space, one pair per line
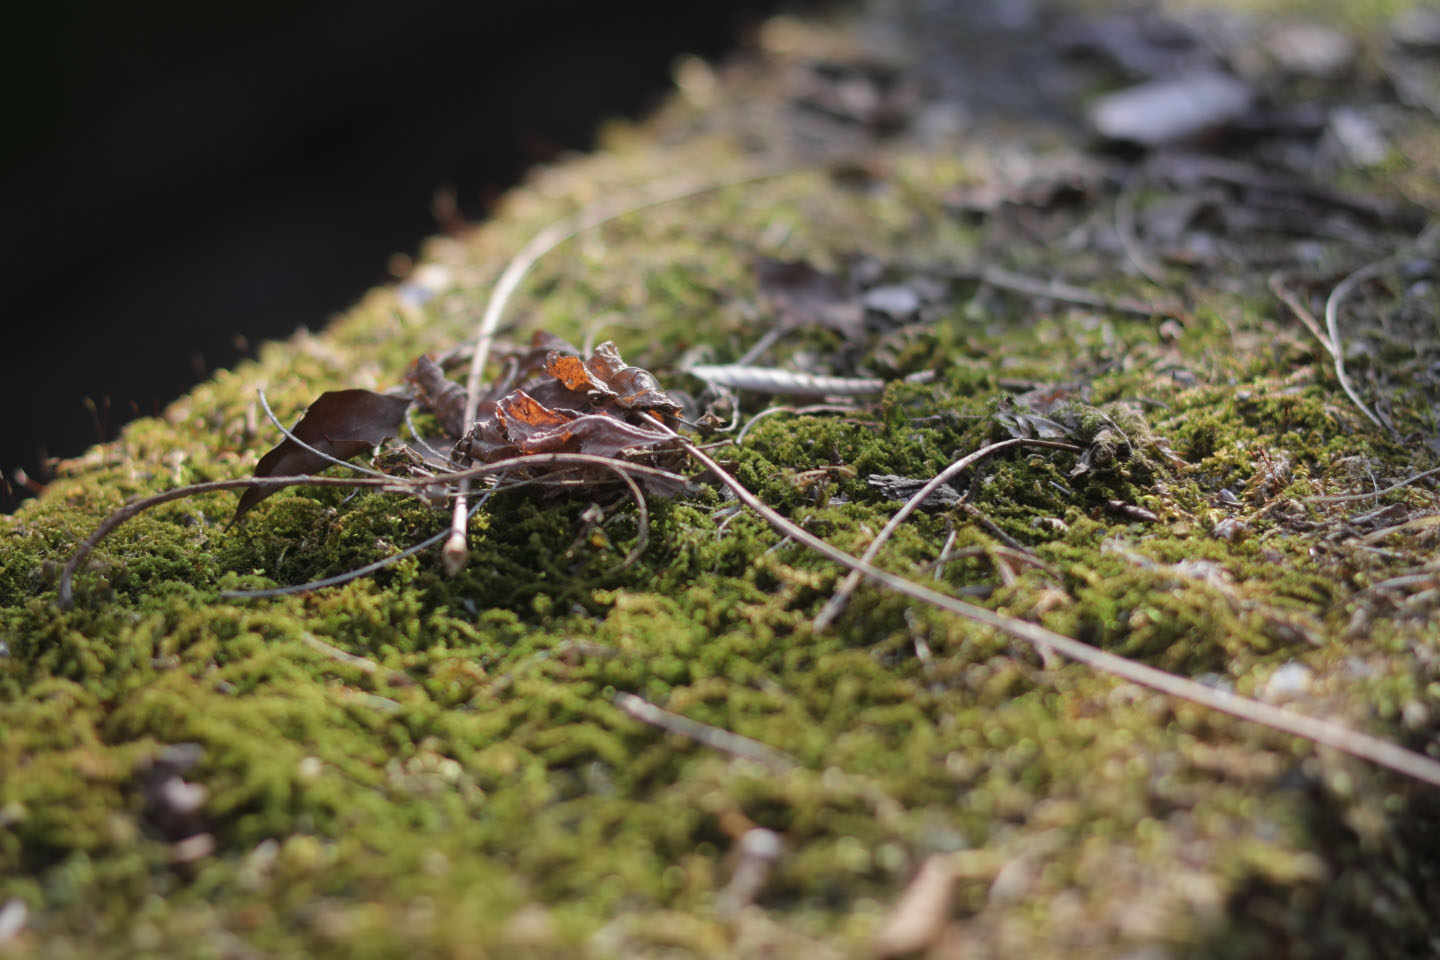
634, 388
535, 428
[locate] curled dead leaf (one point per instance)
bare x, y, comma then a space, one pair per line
440, 395
340, 423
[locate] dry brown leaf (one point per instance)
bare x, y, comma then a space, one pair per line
341, 423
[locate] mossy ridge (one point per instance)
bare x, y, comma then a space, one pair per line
482, 770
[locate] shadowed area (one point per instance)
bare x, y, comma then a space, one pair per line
184, 181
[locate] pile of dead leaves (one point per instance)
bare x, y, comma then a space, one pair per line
551, 400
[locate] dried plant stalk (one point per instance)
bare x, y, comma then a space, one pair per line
836, 604
785, 383
1322, 732
65, 598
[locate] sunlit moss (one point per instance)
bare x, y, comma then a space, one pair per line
475, 791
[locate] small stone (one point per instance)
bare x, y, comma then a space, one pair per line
1230, 529
895, 301
1227, 498
1417, 29
1053, 524
1358, 136
13, 915
1171, 110
1310, 50
193, 848
1291, 680
920, 915
182, 797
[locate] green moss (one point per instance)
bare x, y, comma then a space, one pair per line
471, 782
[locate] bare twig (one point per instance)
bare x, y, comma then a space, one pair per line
1068, 293
1423, 577
339, 656
319, 453
1125, 228
456, 551
410, 423
755, 857
1332, 326
1362, 745
836, 604
1023, 557
767, 340
945, 553
1190, 167
786, 382
1302, 312
992, 528
798, 411
1345, 497
349, 575
1418, 523
919, 916
65, 595
713, 737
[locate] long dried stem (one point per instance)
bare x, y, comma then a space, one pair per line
65, 592
1362, 745
841, 596
1332, 326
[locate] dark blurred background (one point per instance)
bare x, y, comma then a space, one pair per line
181, 180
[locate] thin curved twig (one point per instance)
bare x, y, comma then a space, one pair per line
410, 424
1362, 745
1346, 497
715, 738
642, 537
1125, 229
1058, 290
836, 604
1302, 312
65, 593
456, 551
798, 411
1332, 325
757, 349
349, 575
319, 453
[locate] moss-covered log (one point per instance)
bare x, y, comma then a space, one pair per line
414, 764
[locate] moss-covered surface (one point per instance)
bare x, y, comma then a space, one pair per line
474, 791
